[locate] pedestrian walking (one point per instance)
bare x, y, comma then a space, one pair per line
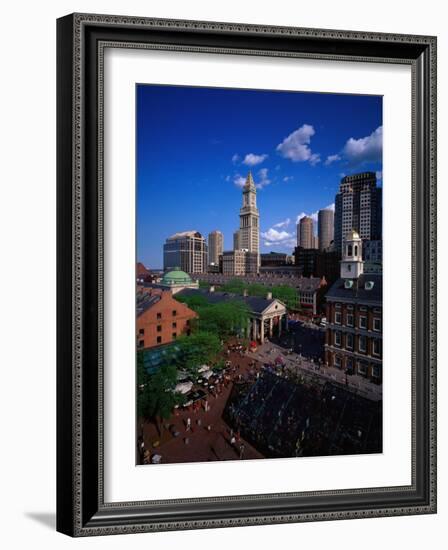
242, 448
188, 424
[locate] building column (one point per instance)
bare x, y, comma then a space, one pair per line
279, 326
271, 325
254, 330
262, 330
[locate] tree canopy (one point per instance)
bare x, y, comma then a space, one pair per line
197, 349
155, 393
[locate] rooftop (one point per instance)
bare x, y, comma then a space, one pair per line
255, 304
144, 301
176, 277
358, 292
182, 234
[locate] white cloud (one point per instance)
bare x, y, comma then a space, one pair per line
284, 223
296, 146
261, 181
332, 158
263, 178
272, 235
252, 159
379, 174
288, 178
366, 149
239, 180
236, 158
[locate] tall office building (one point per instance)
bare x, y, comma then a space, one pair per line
215, 247
249, 233
305, 233
325, 228
358, 206
236, 240
186, 251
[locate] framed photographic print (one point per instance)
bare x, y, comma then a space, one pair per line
246, 274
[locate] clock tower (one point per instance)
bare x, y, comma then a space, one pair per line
250, 219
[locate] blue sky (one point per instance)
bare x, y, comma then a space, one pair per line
195, 147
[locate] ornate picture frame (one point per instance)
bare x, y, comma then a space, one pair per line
81, 507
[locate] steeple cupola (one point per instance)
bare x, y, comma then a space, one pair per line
352, 265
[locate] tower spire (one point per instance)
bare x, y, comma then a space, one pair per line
250, 184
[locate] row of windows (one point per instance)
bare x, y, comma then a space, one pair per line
173, 313
361, 366
141, 343
362, 321
159, 328
362, 343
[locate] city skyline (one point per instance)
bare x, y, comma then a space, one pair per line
297, 160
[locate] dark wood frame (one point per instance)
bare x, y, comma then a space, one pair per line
81, 510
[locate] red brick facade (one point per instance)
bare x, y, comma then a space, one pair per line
163, 322
353, 340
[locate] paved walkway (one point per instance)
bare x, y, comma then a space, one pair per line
268, 352
199, 444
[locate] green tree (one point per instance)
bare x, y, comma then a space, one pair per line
193, 302
155, 393
257, 289
197, 349
234, 286
286, 294
224, 319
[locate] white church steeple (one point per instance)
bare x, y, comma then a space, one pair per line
352, 265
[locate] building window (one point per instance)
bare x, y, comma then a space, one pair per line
174, 325
362, 344
159, 316
337, 361
362, 321
141, 331
159, 328
141, 343
376, 324
362, 368
337, 338
174, 313
174, 335
349, 319
337, 317
159, 339
376, 347
376, 371
349, 341
349, 250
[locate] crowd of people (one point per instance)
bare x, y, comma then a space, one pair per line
285, 417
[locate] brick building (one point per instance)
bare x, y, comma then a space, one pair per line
160, 318
354, 336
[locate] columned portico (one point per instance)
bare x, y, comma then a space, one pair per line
263, 322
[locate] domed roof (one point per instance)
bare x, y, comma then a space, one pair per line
352, 235
176, 277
